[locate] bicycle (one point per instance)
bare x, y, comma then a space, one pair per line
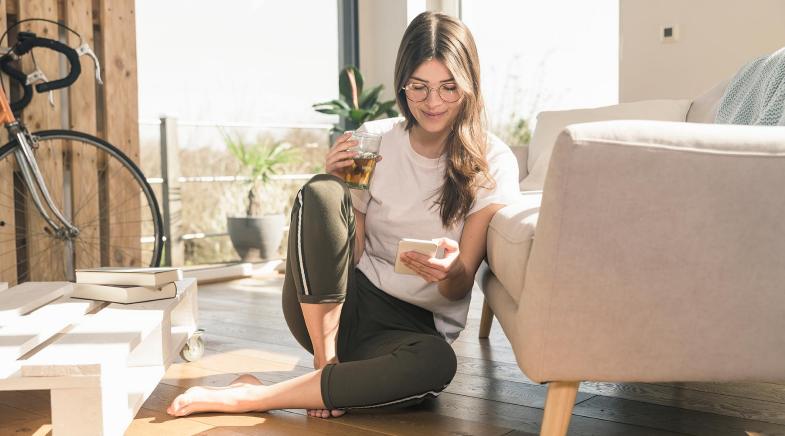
103, 211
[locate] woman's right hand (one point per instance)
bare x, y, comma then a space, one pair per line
340, 156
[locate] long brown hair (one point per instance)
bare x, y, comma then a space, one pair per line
438, 36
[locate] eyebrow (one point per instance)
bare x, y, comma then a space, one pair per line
452, 79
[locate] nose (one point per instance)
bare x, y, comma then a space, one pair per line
433, 98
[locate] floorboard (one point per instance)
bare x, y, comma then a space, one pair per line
246, 333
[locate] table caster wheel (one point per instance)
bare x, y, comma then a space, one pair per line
194, 347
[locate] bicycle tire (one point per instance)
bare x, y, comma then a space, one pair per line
104, 213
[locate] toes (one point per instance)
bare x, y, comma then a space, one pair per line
177, 405
324, 413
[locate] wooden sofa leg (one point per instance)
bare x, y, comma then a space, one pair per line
558, 408
486, 321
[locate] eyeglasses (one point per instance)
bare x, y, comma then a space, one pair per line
417, 92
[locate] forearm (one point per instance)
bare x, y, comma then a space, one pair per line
359, 235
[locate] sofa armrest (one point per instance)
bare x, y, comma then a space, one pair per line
659, 255
521, 153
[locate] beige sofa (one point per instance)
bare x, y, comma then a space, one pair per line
657, 253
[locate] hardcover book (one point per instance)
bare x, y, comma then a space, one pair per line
123, 293
150, 277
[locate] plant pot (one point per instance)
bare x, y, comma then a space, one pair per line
256, 238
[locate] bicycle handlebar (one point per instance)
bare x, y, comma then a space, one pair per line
26, 42
19, 76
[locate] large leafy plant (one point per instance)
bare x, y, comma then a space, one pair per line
355, 104
259, 161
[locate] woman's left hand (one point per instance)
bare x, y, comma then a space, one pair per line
433, 269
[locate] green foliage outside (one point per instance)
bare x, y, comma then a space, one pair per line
356, 105
516, 132
260, 161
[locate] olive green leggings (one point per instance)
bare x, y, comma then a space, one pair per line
389, 351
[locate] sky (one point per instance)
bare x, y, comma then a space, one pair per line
265, 62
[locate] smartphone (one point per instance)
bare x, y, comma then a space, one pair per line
424, 246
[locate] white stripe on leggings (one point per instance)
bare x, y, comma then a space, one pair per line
389, 403
300, 243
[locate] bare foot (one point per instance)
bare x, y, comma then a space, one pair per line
232, 398
324, 413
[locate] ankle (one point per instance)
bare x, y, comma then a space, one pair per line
321, 362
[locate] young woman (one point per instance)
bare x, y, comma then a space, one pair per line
380, 338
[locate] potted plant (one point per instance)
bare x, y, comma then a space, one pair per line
356, 105
257, 236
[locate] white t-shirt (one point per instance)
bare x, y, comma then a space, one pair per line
399, 205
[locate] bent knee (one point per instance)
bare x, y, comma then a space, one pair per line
441, 361
324, 189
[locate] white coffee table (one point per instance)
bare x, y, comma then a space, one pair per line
101, 361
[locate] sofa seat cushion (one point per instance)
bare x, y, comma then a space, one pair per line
510, 237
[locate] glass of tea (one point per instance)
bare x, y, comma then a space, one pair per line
358, 174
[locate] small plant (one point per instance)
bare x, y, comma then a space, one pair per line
355, 105
260, 161
517, 132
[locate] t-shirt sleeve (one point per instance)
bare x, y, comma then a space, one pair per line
503, 167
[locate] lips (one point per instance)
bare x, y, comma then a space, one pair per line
433, 115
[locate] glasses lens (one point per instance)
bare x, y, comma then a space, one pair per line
449, 92
416, 92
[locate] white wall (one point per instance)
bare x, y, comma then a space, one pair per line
382, 23
716, 37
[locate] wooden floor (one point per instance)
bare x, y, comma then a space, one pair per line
489, 395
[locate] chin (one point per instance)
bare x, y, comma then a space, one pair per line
438, 125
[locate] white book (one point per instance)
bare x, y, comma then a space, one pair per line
124, 294
151, 277
3, 286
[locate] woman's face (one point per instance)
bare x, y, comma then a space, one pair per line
434, 115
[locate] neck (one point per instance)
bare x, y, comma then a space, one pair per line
428, 144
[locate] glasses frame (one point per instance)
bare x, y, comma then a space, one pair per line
428, 90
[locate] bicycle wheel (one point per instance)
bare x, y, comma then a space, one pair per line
98, 188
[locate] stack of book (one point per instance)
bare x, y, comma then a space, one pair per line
126, 285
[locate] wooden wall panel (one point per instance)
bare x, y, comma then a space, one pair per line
121, 121
7, 222
78, 15
46, 257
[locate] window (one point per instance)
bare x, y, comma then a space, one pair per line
544, 55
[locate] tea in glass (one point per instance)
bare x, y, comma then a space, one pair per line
358, 174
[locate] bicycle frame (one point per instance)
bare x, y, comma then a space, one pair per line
31, 174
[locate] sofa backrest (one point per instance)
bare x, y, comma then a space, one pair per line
704, 107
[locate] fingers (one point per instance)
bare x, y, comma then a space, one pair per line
428, 273
339, 159
448, 244
345, 136
339, 155
437, 264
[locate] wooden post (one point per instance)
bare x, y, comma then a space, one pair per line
486, 321
82, 117
558, 408
170, 171
121, 123
7, 221
45, 255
